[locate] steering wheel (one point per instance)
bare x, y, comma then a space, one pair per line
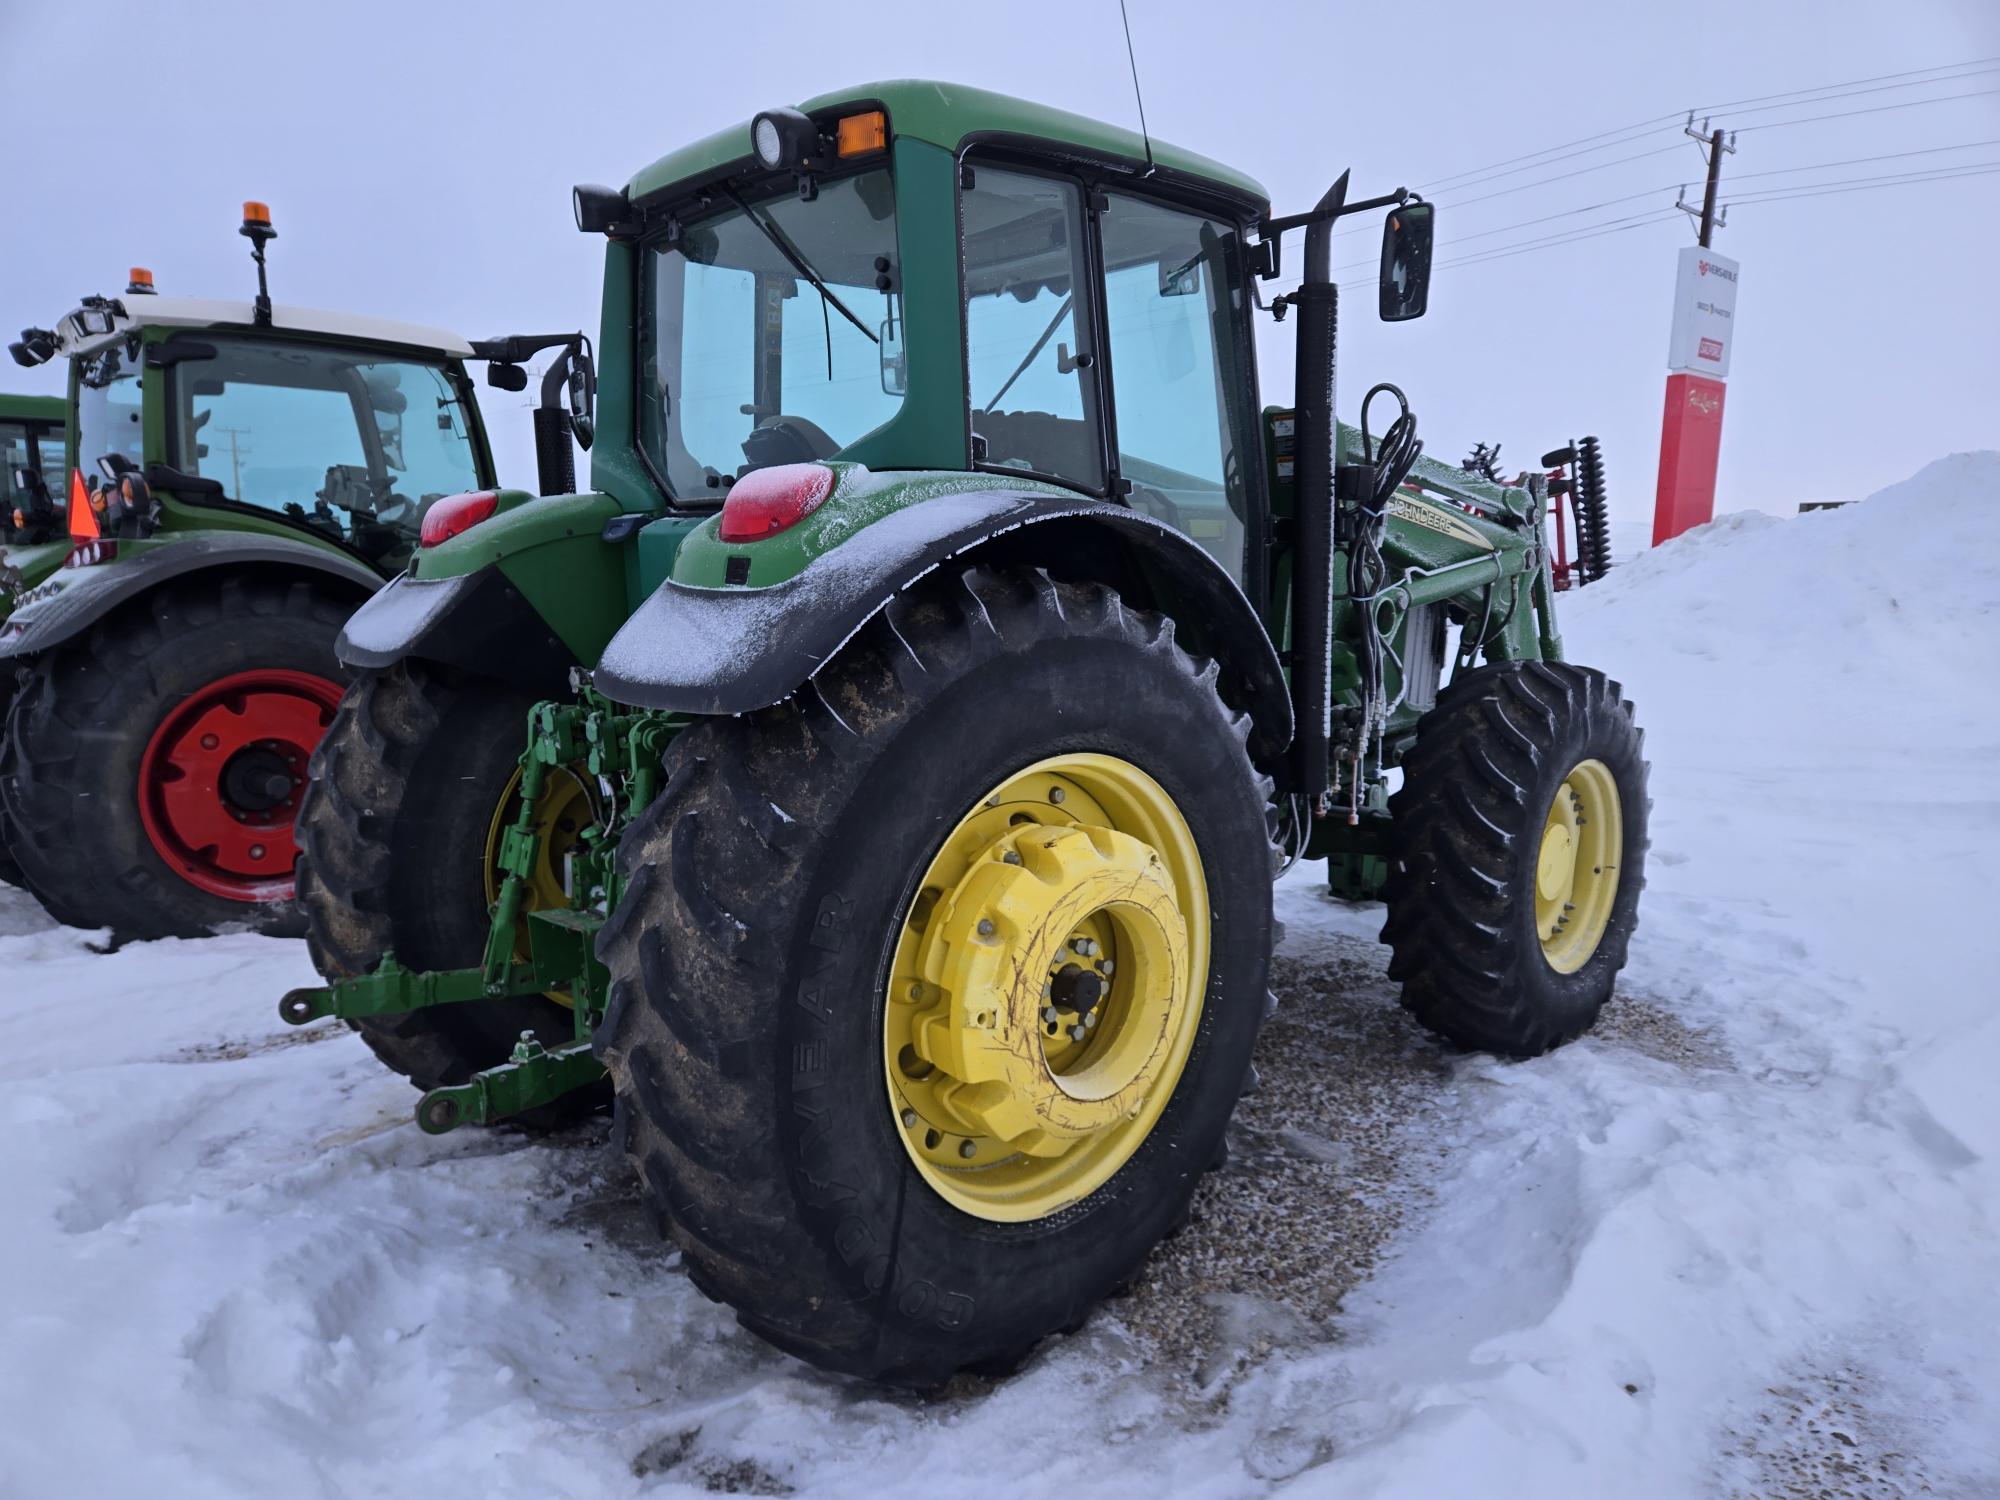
787, 440
1145, 498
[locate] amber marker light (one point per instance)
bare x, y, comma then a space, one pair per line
857, 135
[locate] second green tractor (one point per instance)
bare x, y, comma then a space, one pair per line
875, 784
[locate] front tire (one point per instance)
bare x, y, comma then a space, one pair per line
396, 832
778, 893
1520, 855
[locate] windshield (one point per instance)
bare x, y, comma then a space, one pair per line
355, 446
747, 361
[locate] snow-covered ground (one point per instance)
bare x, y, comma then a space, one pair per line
1740, 1240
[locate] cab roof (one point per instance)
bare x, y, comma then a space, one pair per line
141, 311
949, 115
36, 408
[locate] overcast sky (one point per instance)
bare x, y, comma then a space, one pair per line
418, 160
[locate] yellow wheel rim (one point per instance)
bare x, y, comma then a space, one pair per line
1046, 987
565, 812
1576, 872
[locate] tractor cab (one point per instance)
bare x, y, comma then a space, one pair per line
915, 277
198, 414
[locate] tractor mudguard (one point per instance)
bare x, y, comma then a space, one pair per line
477, 622
731, 650
71, 600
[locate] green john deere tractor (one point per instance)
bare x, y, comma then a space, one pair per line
917, 712
239, 477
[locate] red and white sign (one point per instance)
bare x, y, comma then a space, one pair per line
1698, 359
1704, 313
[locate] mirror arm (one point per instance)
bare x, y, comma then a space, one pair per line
1272, 228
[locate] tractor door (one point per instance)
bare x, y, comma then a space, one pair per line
1108, 346
1178, 360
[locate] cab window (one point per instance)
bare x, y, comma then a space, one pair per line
1027, 337
1178, 338
356, 447
763, 331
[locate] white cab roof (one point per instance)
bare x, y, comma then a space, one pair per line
143, 311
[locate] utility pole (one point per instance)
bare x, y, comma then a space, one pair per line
1704, 327
237, 453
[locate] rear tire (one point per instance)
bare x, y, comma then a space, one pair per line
1489, 762
78, 736
10, 872
392, 835
770, 887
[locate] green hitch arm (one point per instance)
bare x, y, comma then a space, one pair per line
390, 989
535, 1075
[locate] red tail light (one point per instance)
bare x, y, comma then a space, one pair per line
766, 501
455, 513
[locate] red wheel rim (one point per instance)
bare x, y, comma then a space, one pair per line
220, 782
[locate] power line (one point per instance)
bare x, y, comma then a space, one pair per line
1641, 221
1618, 161
1872, 110
1632, 132
1639, 128
1820, 166
1855, 161
1863, 184
1917, 83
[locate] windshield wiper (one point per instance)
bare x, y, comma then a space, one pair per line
785, 248
1040, 344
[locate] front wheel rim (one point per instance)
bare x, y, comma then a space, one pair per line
221, 777
1046, 987
1577, 866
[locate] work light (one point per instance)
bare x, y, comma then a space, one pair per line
784, 138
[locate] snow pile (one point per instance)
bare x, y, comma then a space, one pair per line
1741, 1238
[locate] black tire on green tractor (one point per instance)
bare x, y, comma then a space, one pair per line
859, 971
416, 770
152, 768
10, 872
1521, 839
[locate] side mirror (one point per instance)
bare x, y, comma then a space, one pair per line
895, 362
1406, 261
504, 377
582, 397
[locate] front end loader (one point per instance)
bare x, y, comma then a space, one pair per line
917, 711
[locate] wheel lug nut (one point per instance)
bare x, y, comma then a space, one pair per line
909, 1117
1086, 947
1056, 794
1010, 858
1105, 968
986, 927
1090, 1020
1051, 1015
967, 1149
1078, 1032
256, 851
917, 990
209, 742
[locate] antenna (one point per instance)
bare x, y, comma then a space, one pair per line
1144, 133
